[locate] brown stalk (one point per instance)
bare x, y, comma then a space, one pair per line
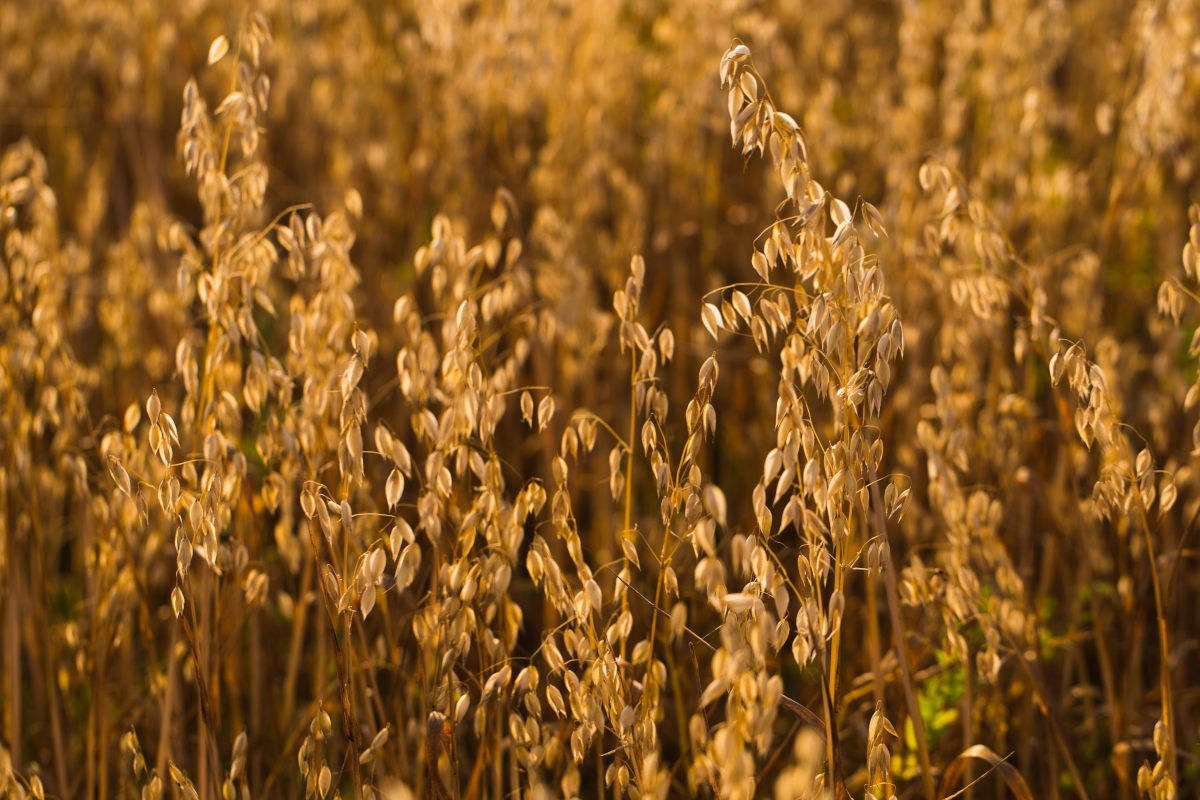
12, 654
167, 711
1041, 699
1164, 645
341, 662
892, 588
299, 615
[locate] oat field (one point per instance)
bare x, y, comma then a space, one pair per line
487, 399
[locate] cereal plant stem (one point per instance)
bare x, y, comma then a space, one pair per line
348, 706
628, 524
299, 628
341, 660
47, 649
891, 585
204, 724
874, 648
1164, 646
166, 718
12, 653
1043, 703
831, 750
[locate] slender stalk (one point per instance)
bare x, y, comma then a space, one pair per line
628, 518
874, 647
1164, 645
341, 661
892, 588
167, 710
1042, 701
204, 726
12, 654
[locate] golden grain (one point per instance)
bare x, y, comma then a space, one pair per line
460, 415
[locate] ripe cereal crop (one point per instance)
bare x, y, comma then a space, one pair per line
491, 399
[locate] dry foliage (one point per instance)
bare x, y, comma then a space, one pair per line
460, 400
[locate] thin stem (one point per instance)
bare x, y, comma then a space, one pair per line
1164, 646
893, 597
628, 524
